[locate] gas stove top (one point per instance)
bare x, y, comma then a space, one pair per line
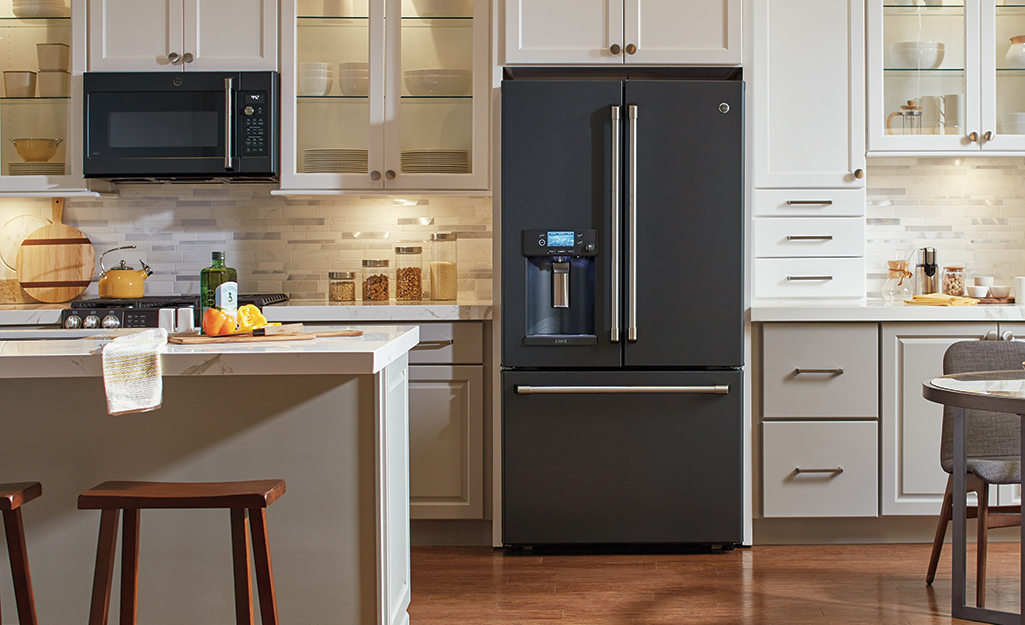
175, 313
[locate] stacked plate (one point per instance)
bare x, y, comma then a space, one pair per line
39, 8
334, 161
36, 169
436, 161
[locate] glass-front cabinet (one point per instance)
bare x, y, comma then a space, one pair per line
946, 75
388, 94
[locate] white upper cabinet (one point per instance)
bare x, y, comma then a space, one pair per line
946, 76
177, 35
808, 109
600, 32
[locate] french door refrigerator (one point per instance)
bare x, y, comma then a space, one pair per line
622, 311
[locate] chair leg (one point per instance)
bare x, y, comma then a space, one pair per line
99, 608
130, 567
980, 545
241, 564
264, 572
15, 530
946, 512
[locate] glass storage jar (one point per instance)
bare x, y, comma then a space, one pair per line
376, 280
444, 285
341, 286
409, 273
953, 282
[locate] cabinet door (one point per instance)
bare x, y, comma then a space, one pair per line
135, 35
446, 442
567, 31
913, 481
821, 143
231, 35
1003, 76
704, 32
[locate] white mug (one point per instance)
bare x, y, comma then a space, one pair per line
1019, 291
953, 113
932, 114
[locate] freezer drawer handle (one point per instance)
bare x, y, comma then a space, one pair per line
836, 371
809, 237
433, 344
717, 389
836, 471
809, 202
823, 278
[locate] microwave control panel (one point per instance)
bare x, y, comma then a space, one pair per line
560, 243
256, 125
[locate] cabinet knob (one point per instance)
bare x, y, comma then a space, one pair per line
631, 48
973, 136
174, 58
188, 58
859, 173
1007, 335
375, 175
990, 336
390, 174
988, 136
615, 49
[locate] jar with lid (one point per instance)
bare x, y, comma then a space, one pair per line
376, 280
409, 273
444, 285
954, 281
341, 286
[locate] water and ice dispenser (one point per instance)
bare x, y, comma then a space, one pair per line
560, 295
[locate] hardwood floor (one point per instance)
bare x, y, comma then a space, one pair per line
834, 584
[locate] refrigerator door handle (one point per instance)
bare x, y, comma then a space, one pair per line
631, 329
716, 389
616, 165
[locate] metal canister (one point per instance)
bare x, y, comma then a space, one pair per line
927, 276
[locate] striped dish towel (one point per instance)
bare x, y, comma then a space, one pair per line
132, 373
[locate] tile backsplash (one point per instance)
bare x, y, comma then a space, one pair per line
277, 243
971, 209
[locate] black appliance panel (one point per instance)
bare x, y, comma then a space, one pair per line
611, 468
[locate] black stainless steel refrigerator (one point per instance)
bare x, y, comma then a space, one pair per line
622, 311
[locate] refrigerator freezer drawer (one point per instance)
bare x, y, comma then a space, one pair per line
646, 458
809, 277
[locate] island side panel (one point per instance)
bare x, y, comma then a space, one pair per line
393, 466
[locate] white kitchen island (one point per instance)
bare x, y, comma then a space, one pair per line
328, 416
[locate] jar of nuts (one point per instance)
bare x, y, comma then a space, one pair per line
409, 273
953, 281
376, 280
341, 286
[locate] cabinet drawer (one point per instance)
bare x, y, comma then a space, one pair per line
819, 469
809, 202
809, 277
803, 237
817, 371
449, 343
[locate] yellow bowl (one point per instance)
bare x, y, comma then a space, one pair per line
36, 150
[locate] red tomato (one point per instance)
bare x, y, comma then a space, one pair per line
217, 322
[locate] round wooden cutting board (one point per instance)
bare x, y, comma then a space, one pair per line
56, 262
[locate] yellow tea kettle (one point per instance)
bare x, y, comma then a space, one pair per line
123, 281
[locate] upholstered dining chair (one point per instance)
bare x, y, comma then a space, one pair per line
992, 443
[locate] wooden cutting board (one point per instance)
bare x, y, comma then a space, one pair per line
56, 262
194, 339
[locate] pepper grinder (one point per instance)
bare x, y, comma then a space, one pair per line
926, 274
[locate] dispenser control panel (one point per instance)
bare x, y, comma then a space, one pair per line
560, 243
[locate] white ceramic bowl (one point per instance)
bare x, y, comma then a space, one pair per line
443, 8
978, 291
354, 66
314, 85
314, 73
54, 84
53, 57
354, 85
312, 66
20, 84
39, 8
999, 291
916, 54
449, 82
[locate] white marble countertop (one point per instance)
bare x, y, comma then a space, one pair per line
878, 310
76, 358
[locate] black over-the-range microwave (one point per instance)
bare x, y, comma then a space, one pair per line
184, 126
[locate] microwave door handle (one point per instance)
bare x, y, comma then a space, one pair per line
228, 122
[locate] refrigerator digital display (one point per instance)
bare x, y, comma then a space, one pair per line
560, 238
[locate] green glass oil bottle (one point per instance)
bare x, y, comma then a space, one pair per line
218, 287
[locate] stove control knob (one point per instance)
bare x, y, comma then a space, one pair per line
73, 322
92, 321
110, 322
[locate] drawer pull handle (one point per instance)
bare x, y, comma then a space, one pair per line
433, 344
834, 371
809, 202
822, 278
836, 471
717, 389
809, 237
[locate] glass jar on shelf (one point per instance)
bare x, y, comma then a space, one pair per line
376, 280
953, 282
409, 272
341, 286
443, 280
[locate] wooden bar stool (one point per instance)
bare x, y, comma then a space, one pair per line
12, 496
248, 503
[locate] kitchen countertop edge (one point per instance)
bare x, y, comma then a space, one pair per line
878, 311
